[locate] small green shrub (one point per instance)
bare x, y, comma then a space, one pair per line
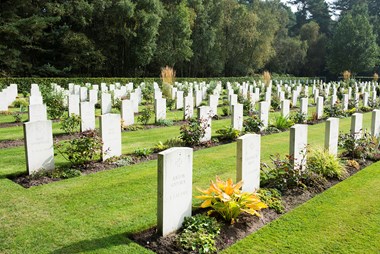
192, 131
334, 111
164, 122
71, 124
228, 134
170, 103
20, 102
174, 142
64, 173
299, 118
284, 176
358, 148
160, 147
275, 102
272, 198
225, 111
324, 163
142, 152
85, 147
145, 115
283, 123
55, 105
199, 234
252, 124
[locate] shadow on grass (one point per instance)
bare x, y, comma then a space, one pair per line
95, 244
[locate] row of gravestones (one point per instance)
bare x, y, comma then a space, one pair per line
174, 193
7, 96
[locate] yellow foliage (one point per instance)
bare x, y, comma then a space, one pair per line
226, 198
267, 77
346, 75
375, 77
168, 75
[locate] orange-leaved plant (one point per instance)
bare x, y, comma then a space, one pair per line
227, 199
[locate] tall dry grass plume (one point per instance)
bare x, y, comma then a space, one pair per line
375, 77
267, 77
168, 77
346, 75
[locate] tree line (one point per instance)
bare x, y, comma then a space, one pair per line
198, 38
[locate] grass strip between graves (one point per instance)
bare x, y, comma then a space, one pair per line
96, 213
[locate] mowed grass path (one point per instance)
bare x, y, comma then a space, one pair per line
96, 213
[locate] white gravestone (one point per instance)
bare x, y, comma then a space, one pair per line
87, 115
174, 192
332, 135
37, 112
106, 102
248, 162
83, 93
35, 99
357, 125
179, 99
237, 117
264, 113
188, 109
304, 106
298, 144
375, 124
93, 96
213, 101
39, 149
204, 115
160, 109
285, 108
74, 104
111, 135
319, 107
127, 114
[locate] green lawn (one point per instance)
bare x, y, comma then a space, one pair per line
96, 213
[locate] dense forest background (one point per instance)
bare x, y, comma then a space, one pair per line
198, 38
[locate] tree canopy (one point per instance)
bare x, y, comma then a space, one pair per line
199, 38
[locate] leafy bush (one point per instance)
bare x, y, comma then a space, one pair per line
365, 109
174, 142
160, 147
225, 111
71, 124
192, 131
228, 133
170, 103
20, 102
299, 118
226, 199
55, 105
199, 233
334, 111
142, 152
359, 148
272, 198
275, 102
145, 115
324, 163
283, 123
57, 173
253, 124
17, 116
85, 147
164, 122
284, 176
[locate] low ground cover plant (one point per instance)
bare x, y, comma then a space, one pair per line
199, 233
272, 198
324, 163
228, 134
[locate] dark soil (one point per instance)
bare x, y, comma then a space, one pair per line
20, 142
231, 233
7, 125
